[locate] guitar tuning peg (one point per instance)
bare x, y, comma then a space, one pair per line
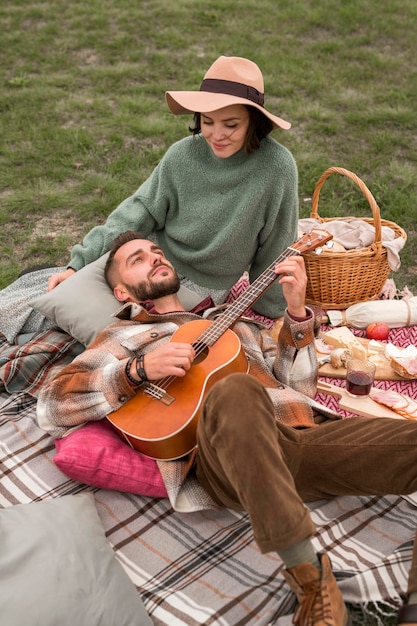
328, 244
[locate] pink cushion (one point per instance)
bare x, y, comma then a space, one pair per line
96, 455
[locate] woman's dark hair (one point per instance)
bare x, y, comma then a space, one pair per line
259, 127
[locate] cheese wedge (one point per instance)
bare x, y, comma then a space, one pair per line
342, 337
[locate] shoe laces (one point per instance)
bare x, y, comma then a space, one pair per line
314, 606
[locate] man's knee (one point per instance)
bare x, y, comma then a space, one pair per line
238, 382
235, 387
237, 397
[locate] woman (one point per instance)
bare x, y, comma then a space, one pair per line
220, 202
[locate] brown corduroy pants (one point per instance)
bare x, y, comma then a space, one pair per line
248, 461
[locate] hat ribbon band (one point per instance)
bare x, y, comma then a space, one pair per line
216, 85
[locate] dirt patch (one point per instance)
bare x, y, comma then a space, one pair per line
54, 226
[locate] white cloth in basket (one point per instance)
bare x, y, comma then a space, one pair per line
354, 234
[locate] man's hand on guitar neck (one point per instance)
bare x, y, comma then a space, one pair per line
293, 279
171, 359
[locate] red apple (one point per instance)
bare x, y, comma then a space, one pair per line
378, 331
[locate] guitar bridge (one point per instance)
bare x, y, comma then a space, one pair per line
159, 394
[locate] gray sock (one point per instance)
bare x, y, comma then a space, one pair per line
412, 598
302, 552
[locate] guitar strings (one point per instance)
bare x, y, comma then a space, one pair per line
260, 284
234, 311
240, 305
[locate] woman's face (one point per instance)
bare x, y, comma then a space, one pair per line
225, 129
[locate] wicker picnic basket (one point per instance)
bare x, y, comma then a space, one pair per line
336, 280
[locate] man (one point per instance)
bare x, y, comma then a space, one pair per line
267, 415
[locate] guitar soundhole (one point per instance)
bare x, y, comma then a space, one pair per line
201, 352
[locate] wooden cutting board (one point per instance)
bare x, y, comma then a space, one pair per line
384, 370
360, 406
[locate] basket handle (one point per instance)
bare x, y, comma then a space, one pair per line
372, 202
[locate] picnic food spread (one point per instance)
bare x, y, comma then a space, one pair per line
336, 346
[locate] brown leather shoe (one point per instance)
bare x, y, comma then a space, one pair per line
407, 615
320, 602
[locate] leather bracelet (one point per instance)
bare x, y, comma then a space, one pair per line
129, 376
140, 368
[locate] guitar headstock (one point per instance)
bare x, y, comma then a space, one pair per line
313, 239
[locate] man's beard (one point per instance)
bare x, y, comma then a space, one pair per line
153, 291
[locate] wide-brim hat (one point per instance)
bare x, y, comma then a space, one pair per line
230, 80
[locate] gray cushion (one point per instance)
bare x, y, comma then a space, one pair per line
83, 304
57, 568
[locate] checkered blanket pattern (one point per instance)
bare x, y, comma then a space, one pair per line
204, 568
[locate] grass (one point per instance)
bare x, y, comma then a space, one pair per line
84, 121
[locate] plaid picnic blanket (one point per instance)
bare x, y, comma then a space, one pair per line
25, 367
201, 568
204, 568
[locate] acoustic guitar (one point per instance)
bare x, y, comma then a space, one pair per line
160, 421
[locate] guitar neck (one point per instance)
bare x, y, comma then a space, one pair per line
308, 242
235, 310
254, 291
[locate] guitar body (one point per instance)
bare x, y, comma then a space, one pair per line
165, 428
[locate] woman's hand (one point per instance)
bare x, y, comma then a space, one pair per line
293, 279
55, 279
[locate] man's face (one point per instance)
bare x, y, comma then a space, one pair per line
145, 272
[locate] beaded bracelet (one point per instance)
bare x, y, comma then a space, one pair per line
140, 368
134, 382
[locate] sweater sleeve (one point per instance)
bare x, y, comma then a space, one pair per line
144, 211
280, 233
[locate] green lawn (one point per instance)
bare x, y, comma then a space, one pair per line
84, 119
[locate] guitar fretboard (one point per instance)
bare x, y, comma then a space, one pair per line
243, 302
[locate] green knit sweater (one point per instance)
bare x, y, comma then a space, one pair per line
214, 218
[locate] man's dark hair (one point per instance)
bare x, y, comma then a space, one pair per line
259, 127
118, 242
